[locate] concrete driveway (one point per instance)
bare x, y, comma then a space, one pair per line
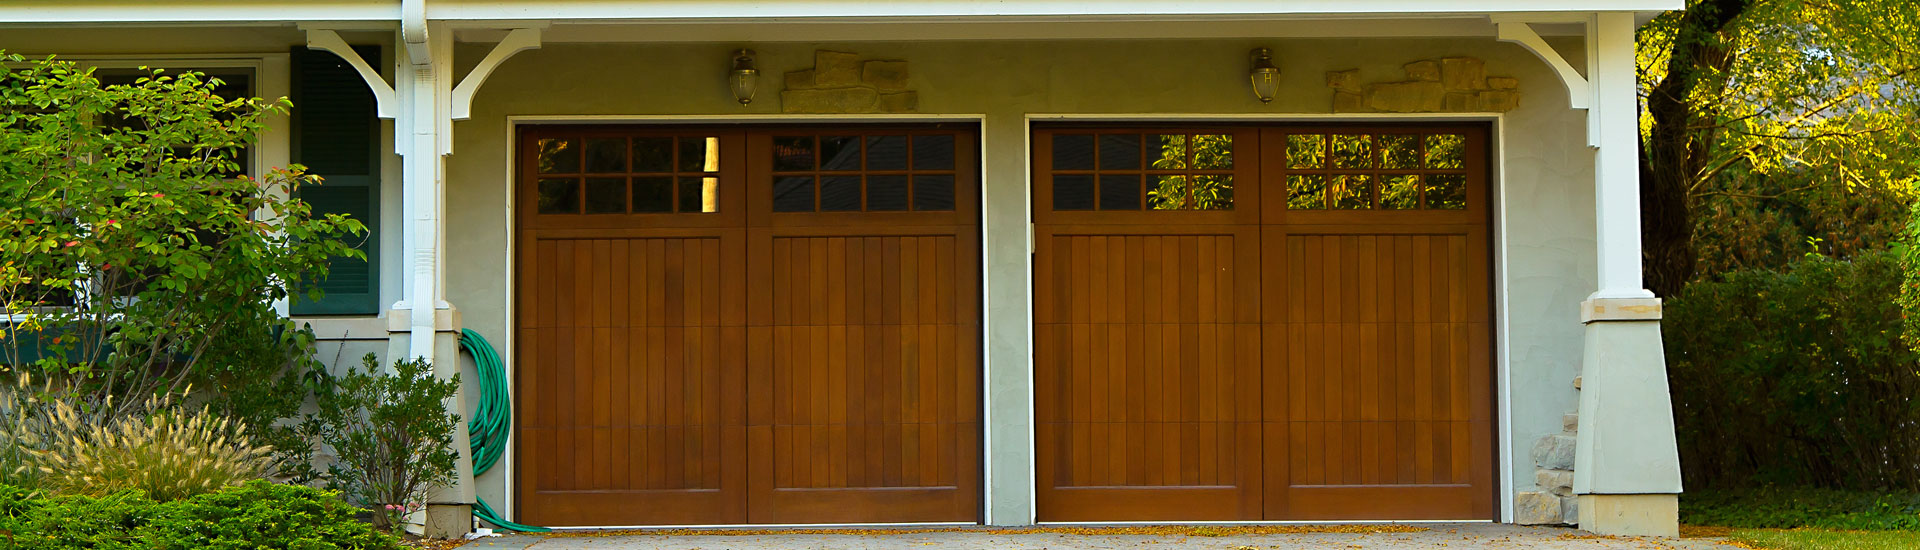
1394, 537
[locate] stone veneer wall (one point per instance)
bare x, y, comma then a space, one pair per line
841, 82
1552, 501
1450, 85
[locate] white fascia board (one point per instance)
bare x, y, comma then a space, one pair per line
271, 11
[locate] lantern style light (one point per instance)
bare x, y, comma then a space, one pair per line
1266, 77
744, 78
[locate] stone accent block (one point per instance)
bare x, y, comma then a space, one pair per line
1558, 482
1462, 101
837, 100
1569, 509
1536, 508
902, 102
800, 80
1554, 452
1570, 422
1452, 84
888, 76
835, 69
1463, 73
1406, 97
1423, 71
1345, 81
1499, 100
1349, 102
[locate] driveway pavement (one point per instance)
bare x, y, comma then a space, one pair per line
1389, 537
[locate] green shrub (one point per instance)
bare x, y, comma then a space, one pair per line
254, 515
393, 436
1791, 508
1797, 377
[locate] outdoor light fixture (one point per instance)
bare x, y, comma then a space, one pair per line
743, 78
1266, 77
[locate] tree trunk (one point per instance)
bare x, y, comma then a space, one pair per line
1673, 154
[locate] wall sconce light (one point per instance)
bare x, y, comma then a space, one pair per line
743, 78
1266, 77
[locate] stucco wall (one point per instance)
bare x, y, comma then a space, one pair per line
1545, 226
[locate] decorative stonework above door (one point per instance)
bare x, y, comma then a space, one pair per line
1450, 85
841, 82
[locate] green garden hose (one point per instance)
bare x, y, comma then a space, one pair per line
491, 423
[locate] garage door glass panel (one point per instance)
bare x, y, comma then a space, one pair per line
1376, 171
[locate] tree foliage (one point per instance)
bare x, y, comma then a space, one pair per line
137, 257
1773, 128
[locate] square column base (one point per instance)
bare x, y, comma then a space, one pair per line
1650, 515
448, 521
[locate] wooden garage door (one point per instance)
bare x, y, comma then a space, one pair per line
747, 325
1278, 323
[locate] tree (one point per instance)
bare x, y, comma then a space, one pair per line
1772, 127
137, 258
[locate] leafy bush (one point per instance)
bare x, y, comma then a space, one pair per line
255, 515
393, 436
1789, 508
1797, 377
168, 455
153, 266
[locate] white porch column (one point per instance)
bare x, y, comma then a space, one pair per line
1627, 466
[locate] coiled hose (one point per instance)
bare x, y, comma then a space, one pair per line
491, 423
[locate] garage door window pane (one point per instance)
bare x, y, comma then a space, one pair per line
607, 156
607, 195
1306, 192
1352, 151
1446, 152
886, 152
699, 194
1352, 192
1072, 192
1167, 193
793, 194
1400, 192
1212, 152
839, 193
1119, 192
653, 154
1400, 152
653, 194
559, 156
1072, 152
1447, 192
559, 196
699, 154
1120, 152
1213, 192
886, 193
933, 152
932, 192
840, 153
1169, 152
1306, 151
793, 153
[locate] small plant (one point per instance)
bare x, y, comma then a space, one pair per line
393, 436
168, 454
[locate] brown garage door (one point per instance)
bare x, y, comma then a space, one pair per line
747, 325
1280, 323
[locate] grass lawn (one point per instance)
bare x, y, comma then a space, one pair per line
1820, 539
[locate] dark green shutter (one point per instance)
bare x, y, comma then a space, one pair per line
336, 136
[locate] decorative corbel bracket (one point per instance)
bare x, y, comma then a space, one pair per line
516, 41
1579, 91
323, 39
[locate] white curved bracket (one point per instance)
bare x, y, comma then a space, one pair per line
320, 39
517, 40
1579, 91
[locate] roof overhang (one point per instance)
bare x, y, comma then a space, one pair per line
490, 12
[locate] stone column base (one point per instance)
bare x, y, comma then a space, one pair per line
1650, 515
449, 521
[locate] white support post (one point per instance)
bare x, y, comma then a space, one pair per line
1626, 464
